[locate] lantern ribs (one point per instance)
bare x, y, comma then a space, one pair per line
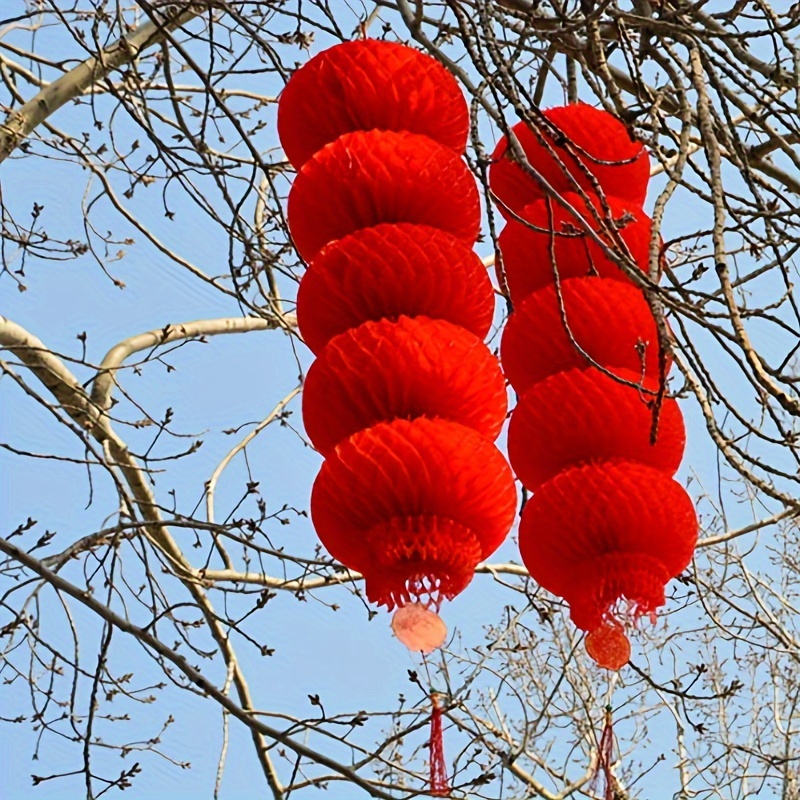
592, 435
404, 400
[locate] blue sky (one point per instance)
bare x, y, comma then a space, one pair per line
350, 662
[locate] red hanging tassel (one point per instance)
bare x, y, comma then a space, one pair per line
440, 786
605, 760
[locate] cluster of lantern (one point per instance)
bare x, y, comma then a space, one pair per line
404, 399
593, 436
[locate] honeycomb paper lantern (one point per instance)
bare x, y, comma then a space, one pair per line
600, 142
601, 532
370, 177
366, 84
528, 254
608, 320
594, 434
391, 270
405, 369
405, 398
403, 402
414, 505
584, 416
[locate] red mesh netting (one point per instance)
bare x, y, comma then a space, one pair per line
405, 369
609, 320
369, 177
361, 85
601, 143
601, 532
389, 270
527, 256
583, 416
447, 488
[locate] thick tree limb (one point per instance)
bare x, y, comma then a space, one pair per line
104, 382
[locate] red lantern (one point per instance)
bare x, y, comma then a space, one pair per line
580, 139
608, 321
414, 505
404, 392
403, 403
556, 238
601, 532
410, 368
584, 416
593, 435
390, 270
367, 84
370, 177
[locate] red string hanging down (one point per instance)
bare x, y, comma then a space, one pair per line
605, 760
607, 526
440, 786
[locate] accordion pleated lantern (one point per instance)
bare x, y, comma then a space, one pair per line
555, 241
366, 85
601, 532
410, 368
404, 399
414, 505
584, 416
608, 321
392, 270
601, 145
594, 435
366, 178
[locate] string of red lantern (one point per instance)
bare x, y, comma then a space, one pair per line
404, 399
607, 526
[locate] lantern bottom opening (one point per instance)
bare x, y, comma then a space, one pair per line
420, 558
617, 587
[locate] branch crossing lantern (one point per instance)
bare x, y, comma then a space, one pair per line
593, 435
404, 399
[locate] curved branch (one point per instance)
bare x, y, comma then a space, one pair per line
20, 123
114, 358
75, 402
194, 675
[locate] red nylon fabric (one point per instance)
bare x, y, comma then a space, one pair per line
599, 532
601, 143
609, 320
527, 257
584, 416
422, 477
366, 84
405, 369
369, 177
390, 270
